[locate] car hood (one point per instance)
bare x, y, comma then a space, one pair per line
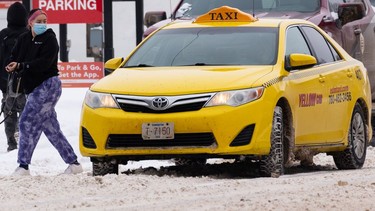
179, 80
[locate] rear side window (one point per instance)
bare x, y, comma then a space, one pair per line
334, 52
319, 44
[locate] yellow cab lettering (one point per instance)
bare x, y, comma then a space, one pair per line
319, 99
311, 99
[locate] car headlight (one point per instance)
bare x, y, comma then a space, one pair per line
237, 97
99, 100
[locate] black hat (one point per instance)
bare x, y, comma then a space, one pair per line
17, 15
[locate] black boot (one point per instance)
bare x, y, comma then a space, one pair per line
12, 145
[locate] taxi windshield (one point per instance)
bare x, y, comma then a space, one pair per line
194, 8
208, 46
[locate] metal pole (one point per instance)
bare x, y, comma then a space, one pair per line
139, 20
63, 47
108, 30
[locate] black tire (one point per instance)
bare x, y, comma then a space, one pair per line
353, 157
372, 141
102, 168
189, 161
272, 165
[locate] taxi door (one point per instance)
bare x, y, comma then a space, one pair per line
337, 81
305, 91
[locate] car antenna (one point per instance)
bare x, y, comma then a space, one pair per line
253, 8
170, 9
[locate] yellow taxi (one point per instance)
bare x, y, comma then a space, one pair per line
230, 85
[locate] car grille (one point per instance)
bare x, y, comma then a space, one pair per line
171, 103
180, 140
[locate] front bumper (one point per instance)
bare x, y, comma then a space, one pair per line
211, 131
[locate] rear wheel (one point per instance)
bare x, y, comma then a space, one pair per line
272, 165
372, 142
353, 157
101, 168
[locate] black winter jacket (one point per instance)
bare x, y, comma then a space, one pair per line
17, 22
37, 57
8, 37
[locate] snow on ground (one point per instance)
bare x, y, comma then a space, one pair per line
158, 185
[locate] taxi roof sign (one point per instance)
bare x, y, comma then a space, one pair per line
225, 14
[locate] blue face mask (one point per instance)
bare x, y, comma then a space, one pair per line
40, 28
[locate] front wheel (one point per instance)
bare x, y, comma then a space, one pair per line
189, 162
101, 168
353, 157
272, 165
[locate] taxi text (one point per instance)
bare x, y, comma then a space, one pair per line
224, 16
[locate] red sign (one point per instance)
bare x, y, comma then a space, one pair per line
80, 74
71, 11
6, 4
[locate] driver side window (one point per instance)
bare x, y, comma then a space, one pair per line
295, 42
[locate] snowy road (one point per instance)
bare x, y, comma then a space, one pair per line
144, 190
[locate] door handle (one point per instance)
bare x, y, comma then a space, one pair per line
349, 73
322, 79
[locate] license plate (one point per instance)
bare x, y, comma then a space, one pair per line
158, 130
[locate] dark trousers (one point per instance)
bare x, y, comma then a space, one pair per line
12, 108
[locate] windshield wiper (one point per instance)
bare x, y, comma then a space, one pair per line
140, 65
205, 64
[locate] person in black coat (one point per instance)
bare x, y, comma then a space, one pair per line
34, 57
12, 102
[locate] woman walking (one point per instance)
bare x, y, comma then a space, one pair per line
34, 57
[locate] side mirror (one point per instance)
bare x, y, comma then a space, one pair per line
153, 17
299, 61
112, 64
349, 12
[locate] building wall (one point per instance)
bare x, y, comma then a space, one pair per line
124, 31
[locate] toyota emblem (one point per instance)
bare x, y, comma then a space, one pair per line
160, 103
